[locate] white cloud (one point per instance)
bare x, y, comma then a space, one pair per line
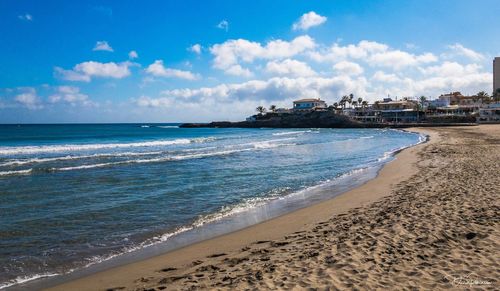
374, 54
70, 95
337, 53
397, 59
145, 101
442, 78
290, 67
87, 70
274, 89
133, 55
348, 68
29, 99
232, 52
383, 77
102, 46
467, 84
195, 48
450, 69
237, 70
157, 69
458, 49
223, 25
26, 17
308, 20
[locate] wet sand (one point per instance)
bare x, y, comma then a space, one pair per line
430, 220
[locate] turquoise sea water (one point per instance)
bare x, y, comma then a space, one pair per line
75, 195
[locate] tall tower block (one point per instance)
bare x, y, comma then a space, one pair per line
496, 74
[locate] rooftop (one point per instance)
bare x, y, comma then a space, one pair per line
308, 100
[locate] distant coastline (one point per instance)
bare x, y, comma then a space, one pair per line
314, 119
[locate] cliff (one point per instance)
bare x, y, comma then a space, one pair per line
325, 119
315, 119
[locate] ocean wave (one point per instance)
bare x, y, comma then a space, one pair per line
357, 138
269, 145
389, 154
257, 146
18, 172
99, 146
69, 157
168, 126
24, 279
254, 146
291, 132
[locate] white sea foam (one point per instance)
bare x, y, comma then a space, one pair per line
291, 132
168, 126
256, 146
265, 145
82, 167
421, 139
24, 279
18, 172
69, 157
358, 138
99, 146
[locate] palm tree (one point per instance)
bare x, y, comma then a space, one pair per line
482, 94
354, 103
272, 108
344, 100
351, 96
335, 105
422, 101
360, 101
364, 104
261, 109
485, 98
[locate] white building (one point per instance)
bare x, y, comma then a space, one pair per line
490, 113
309, 104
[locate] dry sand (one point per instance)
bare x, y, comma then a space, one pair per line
430, 220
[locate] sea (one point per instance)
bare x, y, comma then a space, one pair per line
79, 198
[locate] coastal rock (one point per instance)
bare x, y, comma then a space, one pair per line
313, 119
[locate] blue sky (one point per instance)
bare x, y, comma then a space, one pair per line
168, 61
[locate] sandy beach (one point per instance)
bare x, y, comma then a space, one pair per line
430, 220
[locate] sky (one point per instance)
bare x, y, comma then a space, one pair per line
198, 61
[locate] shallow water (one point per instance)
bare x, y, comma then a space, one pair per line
75, 195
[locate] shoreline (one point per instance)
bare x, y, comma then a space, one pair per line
272, 229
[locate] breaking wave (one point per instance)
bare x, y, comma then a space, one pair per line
99, 146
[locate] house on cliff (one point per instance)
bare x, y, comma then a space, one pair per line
309, 104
